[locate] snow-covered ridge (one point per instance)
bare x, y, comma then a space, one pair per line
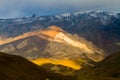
103, 16
87, 14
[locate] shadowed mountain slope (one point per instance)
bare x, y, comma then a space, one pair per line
17, 68
107, 69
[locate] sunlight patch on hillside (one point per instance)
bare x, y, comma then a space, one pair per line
67, 63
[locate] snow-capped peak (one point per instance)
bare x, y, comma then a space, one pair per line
65, 14
79, 12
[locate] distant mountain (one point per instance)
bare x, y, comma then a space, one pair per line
52, 42
108, 69
102, 28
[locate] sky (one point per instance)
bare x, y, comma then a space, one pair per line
25, 8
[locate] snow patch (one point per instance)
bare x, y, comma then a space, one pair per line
65, 14
93, 15
79, 12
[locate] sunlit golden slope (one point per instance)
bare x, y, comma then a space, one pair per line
67, 63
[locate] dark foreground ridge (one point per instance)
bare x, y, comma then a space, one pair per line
17, 68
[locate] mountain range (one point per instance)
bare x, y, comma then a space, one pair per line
101, 28
69, 46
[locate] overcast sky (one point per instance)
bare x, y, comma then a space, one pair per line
20, 8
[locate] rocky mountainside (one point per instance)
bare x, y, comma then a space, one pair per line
52, 42
108, 69
102, 28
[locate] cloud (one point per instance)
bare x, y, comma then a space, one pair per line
17, 8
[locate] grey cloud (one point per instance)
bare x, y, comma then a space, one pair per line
13, 8
58, 2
